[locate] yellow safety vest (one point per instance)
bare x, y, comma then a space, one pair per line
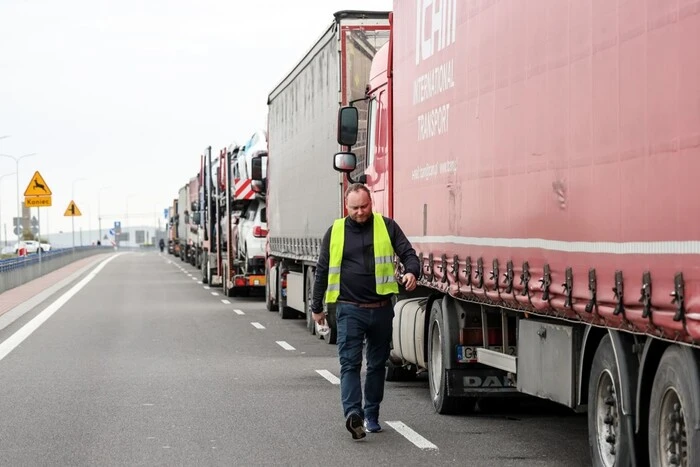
383, 259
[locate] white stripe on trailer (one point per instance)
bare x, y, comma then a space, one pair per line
333, 379
411, 435
690, 247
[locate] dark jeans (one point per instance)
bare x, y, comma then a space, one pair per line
354, 324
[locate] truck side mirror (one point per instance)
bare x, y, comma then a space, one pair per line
347, 126
345, 162
256, 169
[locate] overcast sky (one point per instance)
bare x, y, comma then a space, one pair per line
125, 94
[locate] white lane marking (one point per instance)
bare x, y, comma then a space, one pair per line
285, 345
199, 282
258, 325
216, 294
189, 275
25, 331
194, 278
225, 302
333, 379
206, 287
411, 435
238, 312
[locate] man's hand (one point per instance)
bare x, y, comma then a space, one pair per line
320, 318
409, 281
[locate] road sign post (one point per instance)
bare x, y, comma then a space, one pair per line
38, 195
72, 211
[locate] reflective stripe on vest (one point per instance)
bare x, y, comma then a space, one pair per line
383, 259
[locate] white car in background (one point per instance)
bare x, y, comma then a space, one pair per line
32, 246
252, 232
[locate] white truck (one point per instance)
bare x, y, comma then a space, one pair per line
305, 195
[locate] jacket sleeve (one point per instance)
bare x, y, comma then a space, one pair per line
403, 248
321, 279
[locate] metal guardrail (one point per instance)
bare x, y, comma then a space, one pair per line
20, 270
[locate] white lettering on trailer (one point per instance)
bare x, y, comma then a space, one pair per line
433, 170
440, 17
434, 122
434, 82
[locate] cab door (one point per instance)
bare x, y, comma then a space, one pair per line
378, 152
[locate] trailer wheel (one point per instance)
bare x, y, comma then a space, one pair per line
438, 354
607, 430
310, 323
270, 304
673, 408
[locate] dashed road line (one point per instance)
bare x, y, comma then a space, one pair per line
225, 302
238, 312
216, 294
408, 433
333, 379
285, 345
206, 287
257, 325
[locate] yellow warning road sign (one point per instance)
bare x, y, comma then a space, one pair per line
37, 186
72, 210
37, 201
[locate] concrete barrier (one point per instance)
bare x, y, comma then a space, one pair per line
20, 270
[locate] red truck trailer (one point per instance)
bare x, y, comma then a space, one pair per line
540, 157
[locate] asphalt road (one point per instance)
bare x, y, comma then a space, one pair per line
140, 364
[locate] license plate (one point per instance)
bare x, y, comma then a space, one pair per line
467, 354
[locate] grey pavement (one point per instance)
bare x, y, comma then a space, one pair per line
145, 366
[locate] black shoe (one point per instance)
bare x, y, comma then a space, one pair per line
354, 425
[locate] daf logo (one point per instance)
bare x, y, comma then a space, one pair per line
486, 382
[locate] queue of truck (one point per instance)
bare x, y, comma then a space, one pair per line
539, 156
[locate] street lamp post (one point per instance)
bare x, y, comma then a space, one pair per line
1, 177
99, 212
72, 198
128, 224
19, 201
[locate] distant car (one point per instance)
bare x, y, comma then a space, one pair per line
32, 246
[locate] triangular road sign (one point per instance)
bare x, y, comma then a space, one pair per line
37, 186
72, 210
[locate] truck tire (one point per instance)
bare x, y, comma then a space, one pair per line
270, 304
205, 267
284, 311
309, 293
607, 431
438, 354
673, 409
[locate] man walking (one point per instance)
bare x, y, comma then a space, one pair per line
355, 270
